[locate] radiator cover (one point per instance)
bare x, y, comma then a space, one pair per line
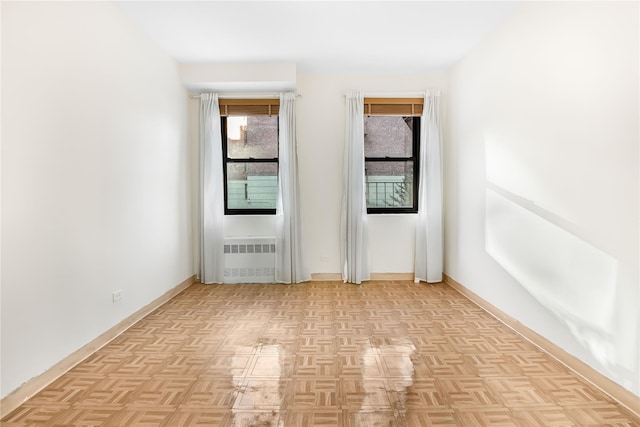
249, 259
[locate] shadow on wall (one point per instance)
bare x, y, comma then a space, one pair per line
573, 279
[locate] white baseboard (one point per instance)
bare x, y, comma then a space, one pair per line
607, 386
326, 277
337, 277
36, 384
392, 276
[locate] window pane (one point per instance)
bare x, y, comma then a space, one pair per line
252, 136
388, 136
389, 184
252, 185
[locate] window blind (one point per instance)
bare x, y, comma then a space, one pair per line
249, 107
393, 106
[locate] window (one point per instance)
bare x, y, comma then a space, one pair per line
391, 150
250, 156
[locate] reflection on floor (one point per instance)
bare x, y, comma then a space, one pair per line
320, 354
263, 391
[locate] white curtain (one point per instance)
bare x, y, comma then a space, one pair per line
353, 227
290, 262
211, 192
429, 257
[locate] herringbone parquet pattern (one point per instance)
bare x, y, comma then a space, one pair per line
320, 354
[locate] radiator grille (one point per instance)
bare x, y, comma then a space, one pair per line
249, 259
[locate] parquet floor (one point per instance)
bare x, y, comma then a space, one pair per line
320, 354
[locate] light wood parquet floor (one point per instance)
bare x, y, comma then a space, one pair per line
320, 354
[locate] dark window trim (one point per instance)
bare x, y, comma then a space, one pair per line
415, 158
226, 160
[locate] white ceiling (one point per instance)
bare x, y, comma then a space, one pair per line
324, 37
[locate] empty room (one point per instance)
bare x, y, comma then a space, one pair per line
349, 213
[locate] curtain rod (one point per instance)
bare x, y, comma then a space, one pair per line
399, 94
241, 95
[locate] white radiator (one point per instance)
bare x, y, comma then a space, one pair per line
249, 259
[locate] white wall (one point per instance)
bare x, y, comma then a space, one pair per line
542, 182
95, 180
321, 136
230, 78
238, 77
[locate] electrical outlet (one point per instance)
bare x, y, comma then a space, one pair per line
117, 295
324, 258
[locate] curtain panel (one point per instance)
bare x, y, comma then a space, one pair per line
290, 261
429, 247
354, 242
211, 192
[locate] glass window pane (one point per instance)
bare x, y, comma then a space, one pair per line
388, 136
252, 185
252, 137
389, 184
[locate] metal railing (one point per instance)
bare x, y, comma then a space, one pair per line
257, 192
389, 194
262, 192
